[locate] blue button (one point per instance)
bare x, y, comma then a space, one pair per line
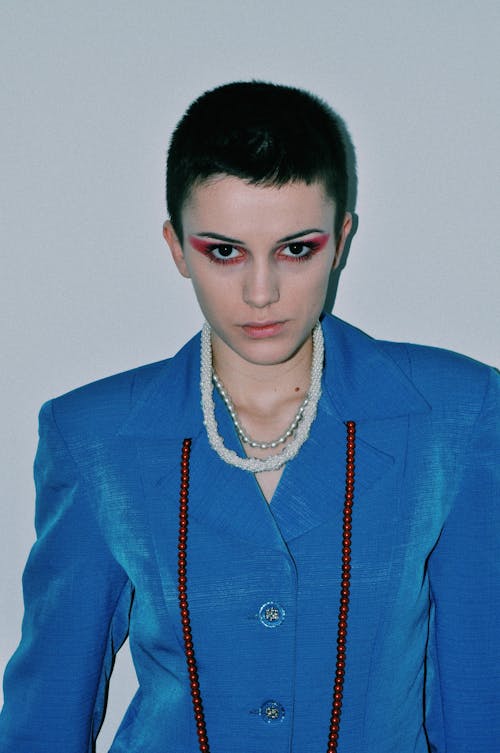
271, 614
271, 712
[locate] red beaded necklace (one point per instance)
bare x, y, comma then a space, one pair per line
344, 595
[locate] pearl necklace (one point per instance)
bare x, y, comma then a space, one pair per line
345, 588
241, 431
303, 419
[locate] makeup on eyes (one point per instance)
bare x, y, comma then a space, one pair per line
207, 247
216, 243
315, 244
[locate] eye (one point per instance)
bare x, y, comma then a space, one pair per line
304, 250
223, 252
297, 250
219, 252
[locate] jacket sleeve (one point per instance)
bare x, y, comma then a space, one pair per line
463, 663
77, 600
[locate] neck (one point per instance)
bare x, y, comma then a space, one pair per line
305, 420
260, 388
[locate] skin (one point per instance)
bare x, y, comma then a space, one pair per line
258, 278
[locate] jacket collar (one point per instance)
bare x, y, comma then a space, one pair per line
169, 407
361, 380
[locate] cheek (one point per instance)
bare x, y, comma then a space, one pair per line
309, 282
215, 296
310, 292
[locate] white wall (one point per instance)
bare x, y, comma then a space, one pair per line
90, 93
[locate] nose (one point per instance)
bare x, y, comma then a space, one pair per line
260, 286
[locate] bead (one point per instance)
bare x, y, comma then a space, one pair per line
340, 664
305, 415
243, 435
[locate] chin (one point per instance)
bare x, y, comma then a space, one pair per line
268, 352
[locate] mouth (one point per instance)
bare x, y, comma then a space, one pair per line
257, 330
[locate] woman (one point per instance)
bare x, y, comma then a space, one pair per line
295, 523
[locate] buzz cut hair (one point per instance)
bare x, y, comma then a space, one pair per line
264, 133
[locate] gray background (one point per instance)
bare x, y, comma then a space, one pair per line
90, 93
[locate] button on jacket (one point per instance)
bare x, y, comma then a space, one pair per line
263, 580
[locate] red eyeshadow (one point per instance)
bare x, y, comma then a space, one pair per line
319, 241
201, 245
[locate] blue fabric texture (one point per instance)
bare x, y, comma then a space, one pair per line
423, 651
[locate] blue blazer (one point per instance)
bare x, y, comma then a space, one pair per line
423, 647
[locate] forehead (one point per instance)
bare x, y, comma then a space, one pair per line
235, 207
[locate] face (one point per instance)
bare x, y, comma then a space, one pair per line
259, 259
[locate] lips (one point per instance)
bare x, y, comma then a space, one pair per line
257, 330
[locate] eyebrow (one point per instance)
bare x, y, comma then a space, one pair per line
227, 239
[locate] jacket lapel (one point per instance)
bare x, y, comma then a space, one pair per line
226, 501
361, 383
313, 485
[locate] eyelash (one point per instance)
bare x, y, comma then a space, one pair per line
313, 247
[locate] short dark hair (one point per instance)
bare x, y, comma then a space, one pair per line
265, 133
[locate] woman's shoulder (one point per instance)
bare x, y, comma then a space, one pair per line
454, 377
102, 406
442, 377
439, 366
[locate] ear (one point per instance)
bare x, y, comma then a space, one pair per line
175, 247
344, 234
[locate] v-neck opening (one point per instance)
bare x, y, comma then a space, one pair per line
276, 488
232, 441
